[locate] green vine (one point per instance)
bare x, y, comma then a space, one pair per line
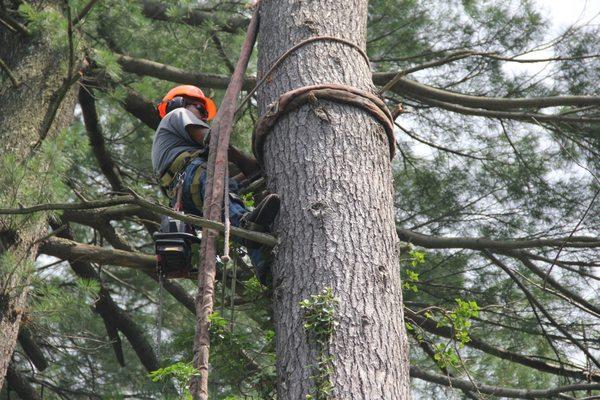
459, 320
319, 324
411, 276
181, 372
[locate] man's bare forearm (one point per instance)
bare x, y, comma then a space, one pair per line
248, 165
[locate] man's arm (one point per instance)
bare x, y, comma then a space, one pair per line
197, 133
248, 165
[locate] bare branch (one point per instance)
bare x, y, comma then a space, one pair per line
257, 237
8, 72
436, 242
464, 384
74, 251
410, 87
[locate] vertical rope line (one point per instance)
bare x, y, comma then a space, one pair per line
233, 283
227, 222
160, 317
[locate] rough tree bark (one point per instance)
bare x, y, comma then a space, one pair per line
330, 165
25, 119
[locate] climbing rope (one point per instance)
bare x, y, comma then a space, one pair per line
159, 318
232, 297
293, 49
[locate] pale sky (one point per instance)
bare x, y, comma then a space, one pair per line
561, 14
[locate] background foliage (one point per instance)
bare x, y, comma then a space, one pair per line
502, 177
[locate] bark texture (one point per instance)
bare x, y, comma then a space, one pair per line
330, 165
25, 118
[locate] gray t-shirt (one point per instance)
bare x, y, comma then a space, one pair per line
172, 138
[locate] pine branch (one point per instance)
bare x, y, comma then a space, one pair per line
74, 251
535, 303
195, 17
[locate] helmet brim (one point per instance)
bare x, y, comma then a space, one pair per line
211, 108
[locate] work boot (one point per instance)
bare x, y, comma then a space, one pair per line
262, 217
260, 220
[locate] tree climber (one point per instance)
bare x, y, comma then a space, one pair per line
179, 158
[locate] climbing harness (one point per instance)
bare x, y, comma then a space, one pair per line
176, 168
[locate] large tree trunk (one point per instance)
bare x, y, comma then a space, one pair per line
330, 164
39, 70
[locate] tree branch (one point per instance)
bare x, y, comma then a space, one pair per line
19, 384
404, 86
573, 296
94, 132
456, 102
464, 384
435, 242
140, 108
476, 343
114, 317
195, 17
141, 66
8, 72
74, 251
84, 11
519, 116
31, 348
536, 303
257, 237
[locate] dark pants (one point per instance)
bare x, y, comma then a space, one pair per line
194, 182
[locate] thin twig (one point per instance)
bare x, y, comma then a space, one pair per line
8, 72
570, 235
84, 11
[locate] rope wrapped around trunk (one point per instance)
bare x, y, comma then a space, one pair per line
344, 94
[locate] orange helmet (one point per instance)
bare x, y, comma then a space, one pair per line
188, 91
